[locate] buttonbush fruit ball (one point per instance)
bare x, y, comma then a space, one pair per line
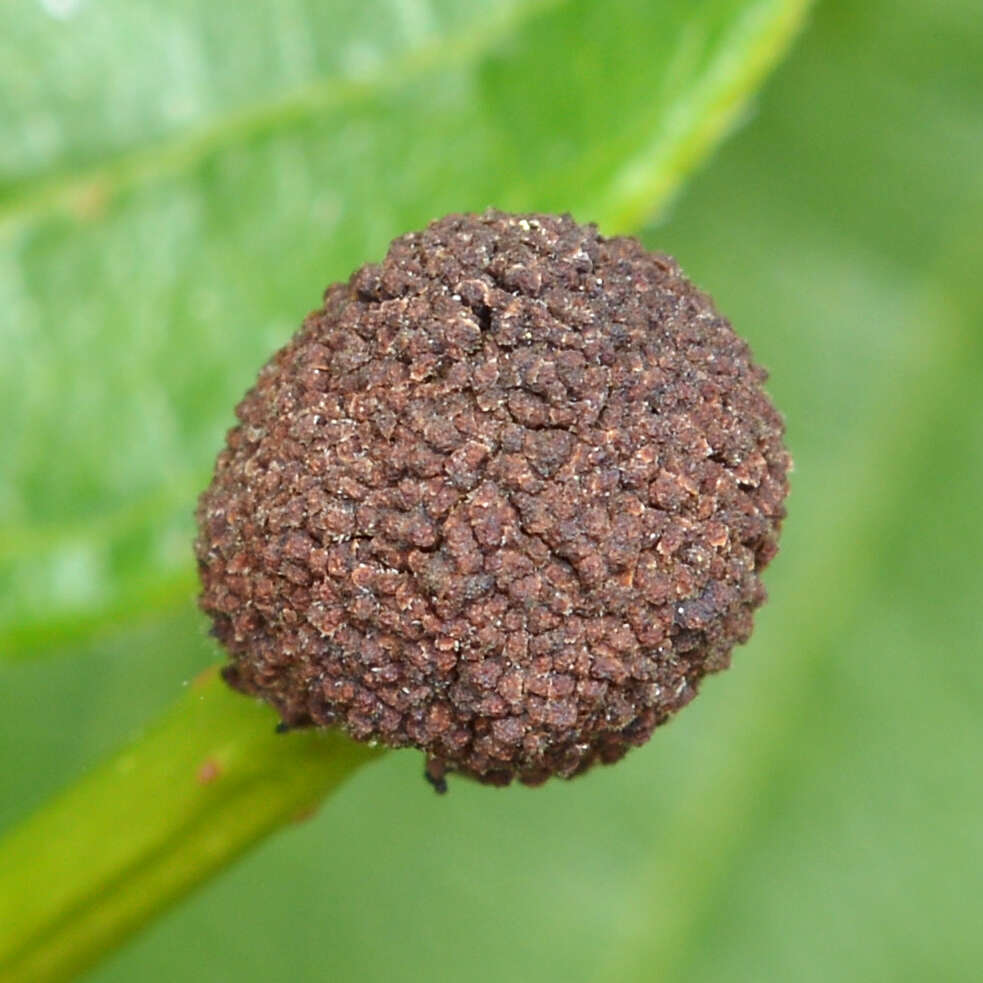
506, 498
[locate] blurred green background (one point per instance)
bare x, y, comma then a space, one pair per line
177, 184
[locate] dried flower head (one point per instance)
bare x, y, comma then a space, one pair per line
505, 497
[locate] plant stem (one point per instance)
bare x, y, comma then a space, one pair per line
145, 828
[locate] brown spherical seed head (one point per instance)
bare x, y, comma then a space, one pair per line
505, 497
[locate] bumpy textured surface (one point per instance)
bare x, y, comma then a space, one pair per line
506, 498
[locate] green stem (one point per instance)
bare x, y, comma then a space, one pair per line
154, 821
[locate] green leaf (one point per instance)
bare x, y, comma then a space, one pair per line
178, 183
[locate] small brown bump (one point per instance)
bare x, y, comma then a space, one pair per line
304, 814
209, 771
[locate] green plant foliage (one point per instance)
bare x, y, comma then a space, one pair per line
170, 206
